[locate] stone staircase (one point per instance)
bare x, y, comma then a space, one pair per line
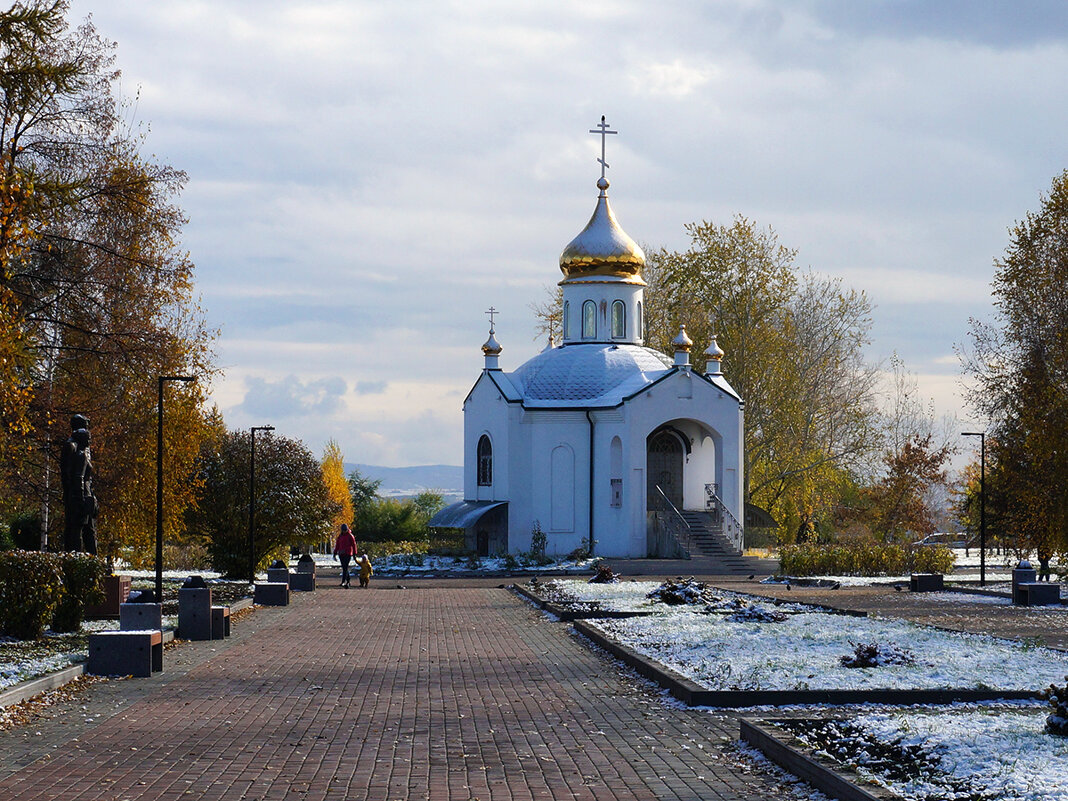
710, 544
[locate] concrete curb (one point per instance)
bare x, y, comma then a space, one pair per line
803, 766
25, 690
691, 693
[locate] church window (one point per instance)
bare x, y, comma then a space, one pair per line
619, 320
485, 462
589, 320
567, 321
638, 321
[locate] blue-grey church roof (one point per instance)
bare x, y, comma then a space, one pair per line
588, 374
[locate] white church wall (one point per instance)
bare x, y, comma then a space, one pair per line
700, 468
552, 485
486, 413
611, 522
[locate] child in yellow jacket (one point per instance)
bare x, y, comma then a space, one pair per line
366, 571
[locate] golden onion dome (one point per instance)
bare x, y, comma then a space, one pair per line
602, 252
492, 347
682, 342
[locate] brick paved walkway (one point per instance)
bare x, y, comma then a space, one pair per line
435, 692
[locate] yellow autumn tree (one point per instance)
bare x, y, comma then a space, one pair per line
337, 486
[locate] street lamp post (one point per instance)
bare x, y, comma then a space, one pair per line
252, 502
159, 480
982, 502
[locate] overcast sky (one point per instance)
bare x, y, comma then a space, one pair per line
367, 178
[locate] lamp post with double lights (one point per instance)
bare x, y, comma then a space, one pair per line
185, 379
252, 502
982, 502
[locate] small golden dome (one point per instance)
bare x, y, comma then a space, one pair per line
603, 251
714, 352
492, 347
682, 342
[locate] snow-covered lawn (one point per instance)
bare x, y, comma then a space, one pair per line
961, 752
21, 661
805, 650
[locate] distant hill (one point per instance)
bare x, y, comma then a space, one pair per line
405, 481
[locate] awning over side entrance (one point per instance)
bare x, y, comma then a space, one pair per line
463, 514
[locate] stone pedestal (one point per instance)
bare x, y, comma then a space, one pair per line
116, 591
926, 582
138, 617
271, 593
1024, 574
277, 575
302, 582
194, 613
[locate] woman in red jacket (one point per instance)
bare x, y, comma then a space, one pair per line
345, 549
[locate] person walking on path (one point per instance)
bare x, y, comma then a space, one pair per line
345, 549
366, 571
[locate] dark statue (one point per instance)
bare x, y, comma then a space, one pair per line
79, 502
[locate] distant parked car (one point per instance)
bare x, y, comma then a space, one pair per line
949, 539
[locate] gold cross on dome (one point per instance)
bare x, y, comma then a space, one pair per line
492, 311
602, 129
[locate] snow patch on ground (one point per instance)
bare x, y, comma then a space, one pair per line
1006, 753
805, 650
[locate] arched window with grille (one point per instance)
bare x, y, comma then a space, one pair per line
619, 320
485, 462
589, 320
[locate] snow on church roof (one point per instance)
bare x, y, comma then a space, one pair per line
582, 375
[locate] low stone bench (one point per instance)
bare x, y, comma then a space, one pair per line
1040, 593
302, 582
926, 582
220, 622
271, 593
125, 653
140, 617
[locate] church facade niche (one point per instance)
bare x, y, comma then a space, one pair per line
580, 437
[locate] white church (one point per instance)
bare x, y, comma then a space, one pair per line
601, 443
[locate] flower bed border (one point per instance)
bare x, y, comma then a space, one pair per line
805, 767
691, 693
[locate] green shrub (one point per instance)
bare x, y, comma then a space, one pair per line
83, 577
863, 558
31, 587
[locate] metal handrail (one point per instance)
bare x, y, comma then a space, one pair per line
732, 529
677, 525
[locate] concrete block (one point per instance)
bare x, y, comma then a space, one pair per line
125, 653
194, 613
139, 617
926, 582
271, 593
277, 575
1040, 593
220, 622
302, 582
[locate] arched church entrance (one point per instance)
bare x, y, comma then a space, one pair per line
665, 453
